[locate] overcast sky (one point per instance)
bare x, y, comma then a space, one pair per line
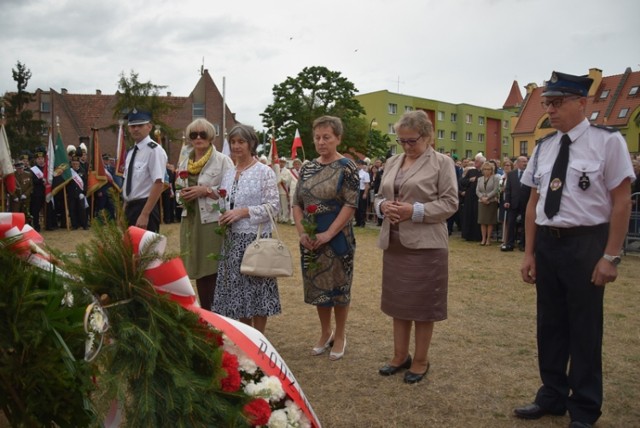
459, 51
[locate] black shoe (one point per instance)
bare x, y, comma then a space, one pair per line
411, 377
506, 247
388, 369
577, 424
534, 411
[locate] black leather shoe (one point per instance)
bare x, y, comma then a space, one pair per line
506, 248
533, 411
388, 369
577, 424
411, 377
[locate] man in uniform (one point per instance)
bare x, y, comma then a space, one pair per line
76, 195
39, 186
143, 175
576, 220
363, 200
284, 189
21, 199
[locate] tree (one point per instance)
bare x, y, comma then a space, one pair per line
24, 132
142, 96
314, 92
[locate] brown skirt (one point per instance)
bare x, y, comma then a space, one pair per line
414, 282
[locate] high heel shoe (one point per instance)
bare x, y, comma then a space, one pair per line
335, 356
388, 369
315, 351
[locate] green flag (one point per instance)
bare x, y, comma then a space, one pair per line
61, 168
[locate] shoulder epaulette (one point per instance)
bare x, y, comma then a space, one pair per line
546, 137
606, 128
152, 144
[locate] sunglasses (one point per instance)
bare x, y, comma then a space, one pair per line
202, 134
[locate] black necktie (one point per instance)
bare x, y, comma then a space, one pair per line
130, 170
557, 181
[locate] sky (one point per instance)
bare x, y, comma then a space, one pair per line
457, 51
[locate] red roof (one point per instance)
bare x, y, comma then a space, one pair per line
515, 97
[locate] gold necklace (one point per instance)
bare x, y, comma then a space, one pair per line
194, 167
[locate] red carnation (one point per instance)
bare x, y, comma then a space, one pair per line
222, 193
232, 381
311, 209
258, 412
183, 174
229, 362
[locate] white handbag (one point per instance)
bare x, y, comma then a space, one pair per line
267, 257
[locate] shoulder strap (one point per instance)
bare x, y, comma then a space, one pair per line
274, 228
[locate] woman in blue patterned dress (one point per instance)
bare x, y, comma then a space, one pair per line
330, 183
250, 191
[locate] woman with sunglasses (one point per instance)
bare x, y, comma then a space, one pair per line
198, 175
418, 193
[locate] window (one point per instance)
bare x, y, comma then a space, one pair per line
468, 154
468, 136
197, 110
623, 112
604, 94
480, 120
454, 135
391, 129
440, 134
454, 117
594, 115
45, 107
480, 138
468, 118
393, 108
634, 90
505, 141
440, 115
408, 108
505, 124
524, 145
393, 149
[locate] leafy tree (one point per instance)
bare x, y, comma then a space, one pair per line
24, 132
314, 92
143, 96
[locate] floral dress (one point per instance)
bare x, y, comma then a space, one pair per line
327, 273
237, 295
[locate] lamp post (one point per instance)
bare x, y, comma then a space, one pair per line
371, 125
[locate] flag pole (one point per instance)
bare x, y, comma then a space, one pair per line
64, 188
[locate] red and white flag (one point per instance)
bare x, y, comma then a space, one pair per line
297, 143
7, 172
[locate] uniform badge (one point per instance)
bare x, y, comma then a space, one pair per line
584, 182
555, 184
152, 145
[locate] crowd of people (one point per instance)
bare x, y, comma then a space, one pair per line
567, 208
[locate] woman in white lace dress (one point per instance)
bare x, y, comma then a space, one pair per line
251, 191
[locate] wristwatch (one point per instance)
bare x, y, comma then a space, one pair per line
612, 259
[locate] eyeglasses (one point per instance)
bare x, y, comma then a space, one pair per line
409, 141
556, 102
202, 134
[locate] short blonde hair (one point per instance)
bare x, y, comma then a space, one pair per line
204, 125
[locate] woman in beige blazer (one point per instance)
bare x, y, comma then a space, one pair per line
418, 193
487, 192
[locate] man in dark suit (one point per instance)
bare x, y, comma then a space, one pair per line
516, 196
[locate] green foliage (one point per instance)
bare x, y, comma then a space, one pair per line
143, 96
23, 131
44, 379
314, 92
161, 361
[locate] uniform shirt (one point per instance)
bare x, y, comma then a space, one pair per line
364, 178
596, 153
149, 165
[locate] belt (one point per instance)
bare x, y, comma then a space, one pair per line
562, 232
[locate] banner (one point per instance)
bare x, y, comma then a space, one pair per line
7, 172
297, 143
62, 171
96, 176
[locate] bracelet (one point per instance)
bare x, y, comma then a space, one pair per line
418, 213
379, 208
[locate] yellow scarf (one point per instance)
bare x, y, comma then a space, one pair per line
194, 167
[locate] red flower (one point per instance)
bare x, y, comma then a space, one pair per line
258, 412
222, 193
311, 209
232, 381
184, 174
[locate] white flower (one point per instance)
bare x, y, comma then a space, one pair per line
295, 416
98, 321
67, 300
278, 419
88, 344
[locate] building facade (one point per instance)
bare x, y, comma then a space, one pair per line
462, 129
612, 101
78, 114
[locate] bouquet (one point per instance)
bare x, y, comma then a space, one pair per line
310, 228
